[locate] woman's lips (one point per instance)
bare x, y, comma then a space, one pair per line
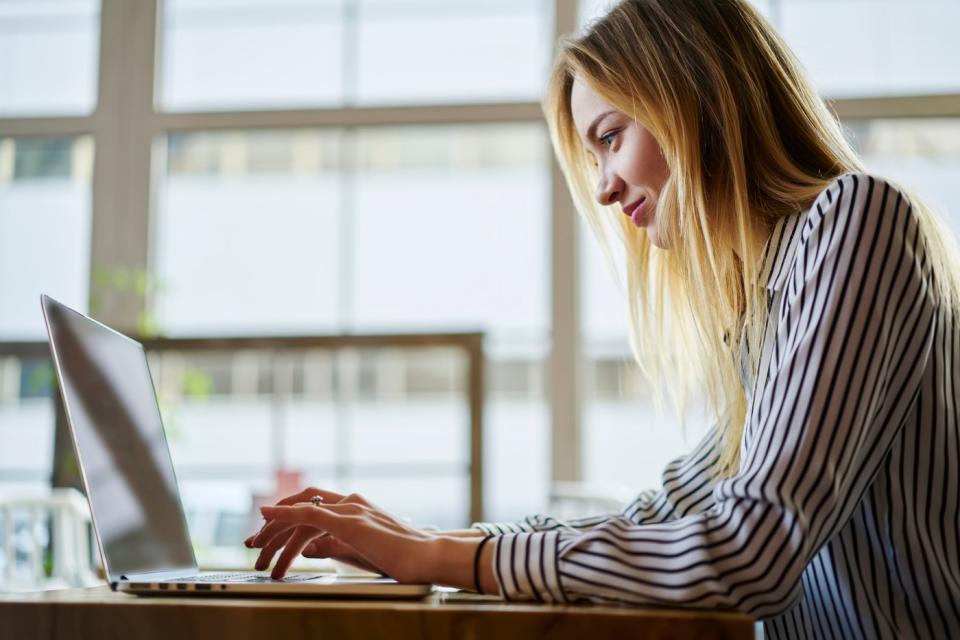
635, 211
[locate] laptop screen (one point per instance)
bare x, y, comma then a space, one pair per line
113, 413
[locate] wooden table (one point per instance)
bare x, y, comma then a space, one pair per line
100, 614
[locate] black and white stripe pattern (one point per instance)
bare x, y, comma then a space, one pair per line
842, 521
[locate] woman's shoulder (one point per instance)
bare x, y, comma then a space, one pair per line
854, 198
849, 205
857, 192
852, 206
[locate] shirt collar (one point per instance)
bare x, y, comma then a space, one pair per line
780, 246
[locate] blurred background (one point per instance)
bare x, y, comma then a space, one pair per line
247, 169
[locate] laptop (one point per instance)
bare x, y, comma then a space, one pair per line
141, 529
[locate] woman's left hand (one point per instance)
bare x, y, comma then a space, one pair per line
397, 549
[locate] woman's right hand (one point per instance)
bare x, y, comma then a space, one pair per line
298, 539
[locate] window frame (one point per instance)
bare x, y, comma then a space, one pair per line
128, 129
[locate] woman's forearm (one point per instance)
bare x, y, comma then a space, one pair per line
453, 563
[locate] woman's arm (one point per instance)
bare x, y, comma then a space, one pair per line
687, 488
409, 555
854, 332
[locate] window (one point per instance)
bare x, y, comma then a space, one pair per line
313, 166
248, 233
44, 228
45, 221
874, 47
48, 57
423, 226
922, 154
220, 55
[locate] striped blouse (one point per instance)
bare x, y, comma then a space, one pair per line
843, 520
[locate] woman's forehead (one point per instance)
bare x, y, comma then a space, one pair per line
585, 106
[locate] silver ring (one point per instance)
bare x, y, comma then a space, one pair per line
316, 500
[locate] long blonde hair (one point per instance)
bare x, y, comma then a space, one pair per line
747, 140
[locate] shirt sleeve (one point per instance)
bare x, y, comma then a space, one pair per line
688, 483
854, 332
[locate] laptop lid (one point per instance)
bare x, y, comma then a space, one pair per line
112, 411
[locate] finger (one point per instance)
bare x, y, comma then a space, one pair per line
251, 541
341, 520
272, 529
318, 516
355, 505
268, 533
310, 492
301, 538
303, 496
328, 546
271, 546
354, 498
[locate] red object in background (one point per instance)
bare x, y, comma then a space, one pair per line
287, 482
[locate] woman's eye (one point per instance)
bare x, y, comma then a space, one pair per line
607, 140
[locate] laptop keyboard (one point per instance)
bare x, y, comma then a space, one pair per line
249, 577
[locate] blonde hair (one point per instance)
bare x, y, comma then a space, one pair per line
747, 140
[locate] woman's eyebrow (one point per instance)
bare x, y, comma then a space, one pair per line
592, 129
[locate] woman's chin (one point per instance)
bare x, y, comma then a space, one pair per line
654, 237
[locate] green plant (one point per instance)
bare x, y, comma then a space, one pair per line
125, 281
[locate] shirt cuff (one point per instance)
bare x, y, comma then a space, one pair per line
526, 566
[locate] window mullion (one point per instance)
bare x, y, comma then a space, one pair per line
565, 356
123, 129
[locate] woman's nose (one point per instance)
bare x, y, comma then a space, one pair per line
608, 190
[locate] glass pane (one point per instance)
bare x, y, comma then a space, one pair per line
452, 232
318, 231
248, 233
921, 154
224, 54
617, 454
625, 444
439, 501
26, 422
605, 315
428, 51
451, 228
48, 56
45, 222
516, 480
875, 47
855, 48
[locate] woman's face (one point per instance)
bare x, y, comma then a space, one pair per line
630, 163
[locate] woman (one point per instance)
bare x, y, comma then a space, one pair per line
818, 301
